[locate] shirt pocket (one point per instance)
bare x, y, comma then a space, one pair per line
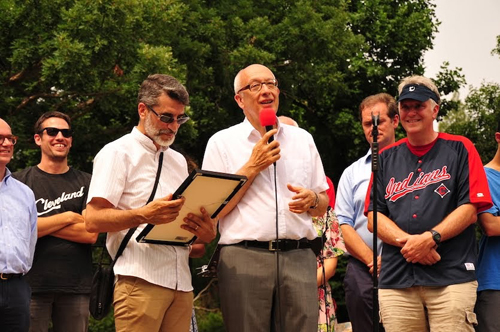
296, 172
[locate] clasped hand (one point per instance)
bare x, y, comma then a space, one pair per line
379, 265
417, 250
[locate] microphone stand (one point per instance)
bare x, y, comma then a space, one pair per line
375, 167
277, 254
279, 318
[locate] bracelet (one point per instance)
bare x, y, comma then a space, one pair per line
316, 202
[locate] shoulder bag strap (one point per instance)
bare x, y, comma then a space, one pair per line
131, 231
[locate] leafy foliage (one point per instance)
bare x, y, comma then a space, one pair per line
477, 119
87, 58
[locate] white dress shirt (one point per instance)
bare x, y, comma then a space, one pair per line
124, 174
254, 217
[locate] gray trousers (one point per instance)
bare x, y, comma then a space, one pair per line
487, 304
68, 312
248, 290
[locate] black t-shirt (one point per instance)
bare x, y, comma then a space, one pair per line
59, 266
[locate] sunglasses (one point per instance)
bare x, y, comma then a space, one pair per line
169, 118
51, 131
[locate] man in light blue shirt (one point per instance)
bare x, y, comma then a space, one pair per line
18, 234
349, 207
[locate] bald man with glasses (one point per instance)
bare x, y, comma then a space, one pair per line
267, 270
17, 240
62, 269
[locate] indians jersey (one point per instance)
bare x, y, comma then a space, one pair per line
417, 188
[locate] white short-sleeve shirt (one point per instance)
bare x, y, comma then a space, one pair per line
124, 174
254, 218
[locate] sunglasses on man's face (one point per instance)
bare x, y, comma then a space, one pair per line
51, 131
169, 118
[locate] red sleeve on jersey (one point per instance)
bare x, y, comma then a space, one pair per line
368, 196
479, 193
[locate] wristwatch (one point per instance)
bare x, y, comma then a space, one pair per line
316, 202
436, 236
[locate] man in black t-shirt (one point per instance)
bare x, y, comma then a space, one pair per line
62, 269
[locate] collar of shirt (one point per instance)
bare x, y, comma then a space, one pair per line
146, 141
251, 131
7, 175
368, 156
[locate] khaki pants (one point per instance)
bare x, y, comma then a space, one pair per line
143, 307
436, 309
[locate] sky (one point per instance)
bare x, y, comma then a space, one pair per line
466, 36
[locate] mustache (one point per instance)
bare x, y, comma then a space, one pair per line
167, 131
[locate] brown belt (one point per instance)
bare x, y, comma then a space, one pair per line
7, 276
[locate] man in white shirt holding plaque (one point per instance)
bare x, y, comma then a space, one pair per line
153, 291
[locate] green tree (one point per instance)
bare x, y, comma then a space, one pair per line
85, 58
477, 119
88, 57
327, 55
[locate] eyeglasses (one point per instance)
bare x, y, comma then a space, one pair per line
169, 118
11, 138
51, 131
257, 86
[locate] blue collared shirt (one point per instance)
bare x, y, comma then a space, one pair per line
350, 198
18, 228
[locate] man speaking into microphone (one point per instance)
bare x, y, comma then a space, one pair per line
267, 270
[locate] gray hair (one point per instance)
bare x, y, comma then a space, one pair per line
420, 80
153, 87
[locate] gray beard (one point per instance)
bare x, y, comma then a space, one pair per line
154, 134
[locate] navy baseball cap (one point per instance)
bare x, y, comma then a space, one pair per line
417, 92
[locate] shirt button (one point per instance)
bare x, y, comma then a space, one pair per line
419, 170
420, 161
414, 216
417, 197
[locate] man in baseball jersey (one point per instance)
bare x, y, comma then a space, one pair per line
351, 194
488, 271
430, 187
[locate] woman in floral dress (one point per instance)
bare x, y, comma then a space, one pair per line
333, 247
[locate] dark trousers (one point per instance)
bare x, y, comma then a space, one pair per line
15, 294
67, 312
249, 295
487, 304
358, 284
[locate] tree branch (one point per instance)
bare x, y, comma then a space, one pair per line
204, 290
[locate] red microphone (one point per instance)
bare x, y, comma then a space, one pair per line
268, 120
